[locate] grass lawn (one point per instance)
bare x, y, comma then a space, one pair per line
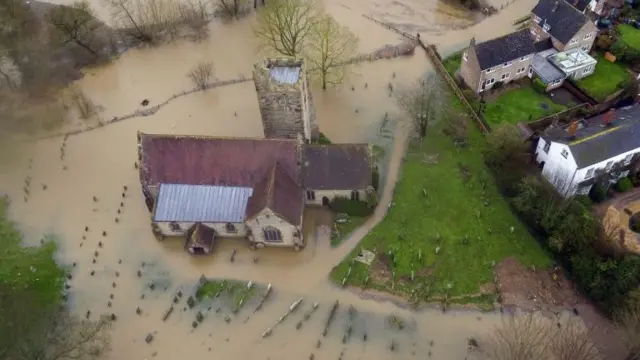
604, 81
452, 63
630, 35
519, 104
343, 230
448, 224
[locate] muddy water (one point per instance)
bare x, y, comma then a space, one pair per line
101, 162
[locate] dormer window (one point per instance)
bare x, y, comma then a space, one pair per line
524, 58
507, 64
546, 27
490, 70
573, 41
537, 19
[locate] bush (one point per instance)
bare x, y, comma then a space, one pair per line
375, 178
497, 85
539, 86
584, 200
322, 140
341, 204
598, 193
623, 185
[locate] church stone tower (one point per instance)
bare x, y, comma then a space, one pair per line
286, 108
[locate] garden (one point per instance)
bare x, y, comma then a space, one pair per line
608, 78
521, 103
447, 228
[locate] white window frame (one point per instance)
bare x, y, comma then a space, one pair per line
587, 70
490, 70
589, 174
546, 147
537, 19
505, 76
464, 56
507, 64
573, 41
524, 58
556, 82
585, 48
546, 27
564, 153
588, 36
609, 165
627, 159
521, 70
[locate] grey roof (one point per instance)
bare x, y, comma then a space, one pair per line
546, 70
201, 203
565, 21
595, 143
505, 48
285, 74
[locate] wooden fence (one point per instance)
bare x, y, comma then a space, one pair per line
560, 117
434, 56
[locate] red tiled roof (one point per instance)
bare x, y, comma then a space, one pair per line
197, 160
280, 193
337, 167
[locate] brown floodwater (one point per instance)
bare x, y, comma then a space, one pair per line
101, 162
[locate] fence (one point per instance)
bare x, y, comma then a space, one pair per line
561, 117
433, 54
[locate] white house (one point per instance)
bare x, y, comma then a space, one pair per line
601, 149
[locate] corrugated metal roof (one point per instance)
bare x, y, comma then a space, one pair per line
202, 203
285, 74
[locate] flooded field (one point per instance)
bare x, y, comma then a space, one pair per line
119, 267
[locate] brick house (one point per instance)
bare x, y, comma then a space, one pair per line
553, 48
201, 188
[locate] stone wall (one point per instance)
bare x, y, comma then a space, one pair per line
286, 109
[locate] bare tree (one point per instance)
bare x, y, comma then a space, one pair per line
232, 9
81, 103
573, 342
202, 74
628, 320
424, 101
284, 25
519, 338
146, 20
329, 49
75, 24
195, 15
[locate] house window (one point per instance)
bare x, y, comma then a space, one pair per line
355, 195
587, 70
627, 159
546, 147
311, 195
230, 228
174, 226
464, 56
537, 19
609, 165
490, 70
272, 234
564, 153
589, 174
489, 82
507, 64
556, 82
505, 76
588, 36
585, 48
524, 58
520, 71
546, 27
573, 41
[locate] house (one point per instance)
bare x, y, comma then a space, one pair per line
605, 8
201, 188
601, 149
555, 47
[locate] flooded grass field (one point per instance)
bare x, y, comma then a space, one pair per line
85, 189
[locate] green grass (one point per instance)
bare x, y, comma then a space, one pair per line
630, 35
453, 216
522, 104
452, 63
234, 290
604, 81
345, 229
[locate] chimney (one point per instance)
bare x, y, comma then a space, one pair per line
608, 117
573, 128
473, 43
555, 6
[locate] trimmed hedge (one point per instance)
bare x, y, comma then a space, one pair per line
344, 205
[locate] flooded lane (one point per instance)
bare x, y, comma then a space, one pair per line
127, 256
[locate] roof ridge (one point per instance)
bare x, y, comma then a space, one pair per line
211, 137
271, 184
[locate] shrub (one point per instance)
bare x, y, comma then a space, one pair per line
623, 185
322, 140
375, 178
341, 204
539, 86
584, 200
497, 85
604, 42
598, 193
